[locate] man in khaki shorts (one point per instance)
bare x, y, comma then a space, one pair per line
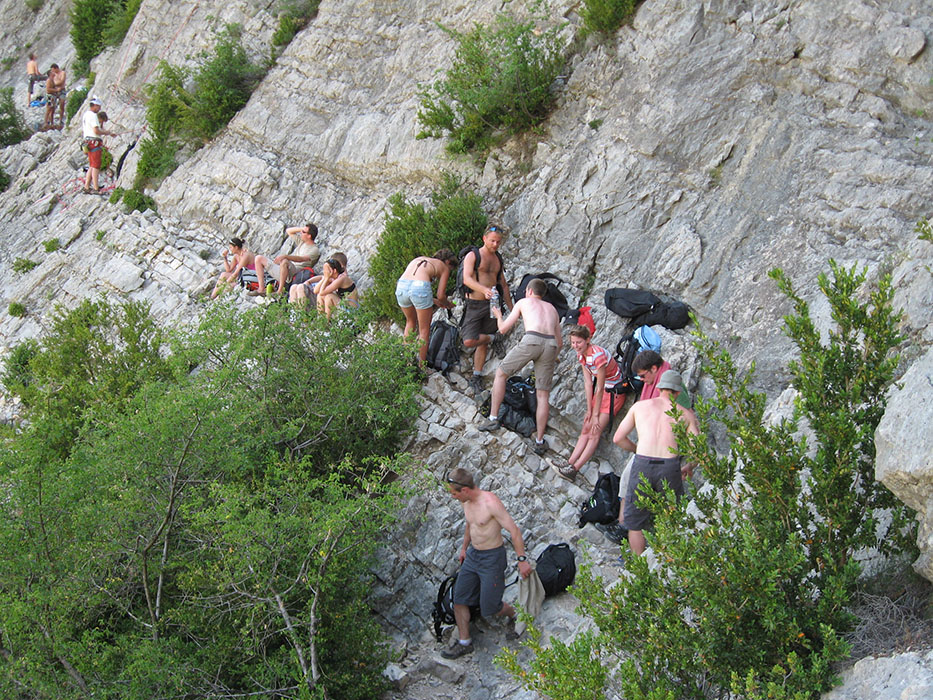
540, 344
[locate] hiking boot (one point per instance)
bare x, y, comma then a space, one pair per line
490, 424
457, 650
565, 471
497, 345
510, 633
476, 384
539, 448
614, 532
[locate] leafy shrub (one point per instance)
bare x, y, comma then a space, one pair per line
118, 23
16, 309
12, 124
89, 19
222, 85
754, 581
605, 16
134, 200
35, 5
75, 100
250, 516
23, 265
288, 27
293, 17
456, 220
52, 245
5, 180
500, 80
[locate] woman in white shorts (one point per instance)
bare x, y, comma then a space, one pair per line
415, 298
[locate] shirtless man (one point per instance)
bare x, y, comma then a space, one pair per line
33, 75
477, 327
294, 268
482, 558
55, 95
656, 459
240, 258
541, 343
414, 296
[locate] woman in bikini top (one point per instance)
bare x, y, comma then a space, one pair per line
240, 257
415, 297
335, 286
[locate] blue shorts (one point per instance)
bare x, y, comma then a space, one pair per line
415, 293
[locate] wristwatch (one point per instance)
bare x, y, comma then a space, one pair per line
522, 558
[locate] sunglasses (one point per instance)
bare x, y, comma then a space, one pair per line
454, 481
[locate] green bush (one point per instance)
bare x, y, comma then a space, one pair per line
75, 100
134, 200
455, 221
52, 245
605, 16
16, 309
23, 265
217, 542
119, 22
500, 81
754, 581
288, 27
294, 15
35, 5
89, 20
4, 180
12, 124
222, 85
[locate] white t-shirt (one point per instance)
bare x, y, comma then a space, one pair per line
90, 123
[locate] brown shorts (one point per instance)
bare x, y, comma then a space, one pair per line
476, 320
537, 348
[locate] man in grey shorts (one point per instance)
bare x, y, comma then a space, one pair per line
540, 344
481, 580
656, 459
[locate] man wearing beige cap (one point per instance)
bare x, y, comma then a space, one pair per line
656, 459
92, 130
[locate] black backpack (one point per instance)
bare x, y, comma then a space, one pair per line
603, 505
249, 280
556, 568
444, 346
673, 315
630, 303
517, 412
461, 287
443, 613
626, 349
552, 295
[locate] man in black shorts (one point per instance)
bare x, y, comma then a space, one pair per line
481, 580
485, 279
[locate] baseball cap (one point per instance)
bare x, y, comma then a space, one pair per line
671, 380
96, 100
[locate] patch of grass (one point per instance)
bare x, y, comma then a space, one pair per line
606, 16
205, 254
5, 180
7, 63
595, 124
100, 233
16, 309
293, 17
52, 245
22, 265
35, 6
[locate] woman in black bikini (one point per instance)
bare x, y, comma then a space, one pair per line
335, 286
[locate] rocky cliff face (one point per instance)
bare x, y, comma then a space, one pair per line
688, 154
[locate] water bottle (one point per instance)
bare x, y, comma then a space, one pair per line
493, 302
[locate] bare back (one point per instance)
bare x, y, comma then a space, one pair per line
480, 514
654, 426
539, 316
423, 269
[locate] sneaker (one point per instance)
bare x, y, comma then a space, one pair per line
614, 531
256, 293
565, 471
490, 424
539, 448
476, 384
457, 650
